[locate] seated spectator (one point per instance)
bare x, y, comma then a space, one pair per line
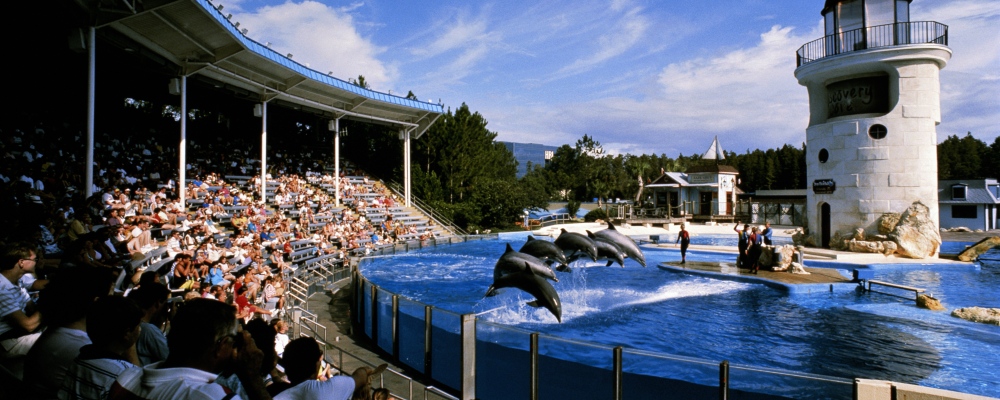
19, 319
244, 308
204, 341
113, 326
151, 298
302, 360
65, 303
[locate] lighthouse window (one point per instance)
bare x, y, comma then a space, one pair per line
877, 131
823, 155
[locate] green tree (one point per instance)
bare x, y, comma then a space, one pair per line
961, 158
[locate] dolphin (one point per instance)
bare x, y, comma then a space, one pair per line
526, 280
544, 250
608, 250
576, 242
626, 243
513, 261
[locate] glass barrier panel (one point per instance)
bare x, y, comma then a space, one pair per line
746, 380
384, 310
503, 362
366, 305
411, 333
651, 375
446, 348
567, 370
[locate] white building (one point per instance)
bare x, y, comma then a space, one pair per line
970, 203
874, 104
704, 193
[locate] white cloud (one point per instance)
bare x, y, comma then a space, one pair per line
749, 97
622, 36
323, 37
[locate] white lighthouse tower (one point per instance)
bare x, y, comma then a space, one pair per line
874, 104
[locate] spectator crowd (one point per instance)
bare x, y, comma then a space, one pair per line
86, 314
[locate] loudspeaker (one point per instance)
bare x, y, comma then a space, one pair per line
77, 40
258, 110
332, 126
174, 87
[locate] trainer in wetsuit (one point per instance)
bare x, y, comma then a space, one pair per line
743, 243
684, 237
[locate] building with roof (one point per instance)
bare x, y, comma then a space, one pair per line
530, 154
969, 203
704, 193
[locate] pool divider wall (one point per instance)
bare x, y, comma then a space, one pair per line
873, 389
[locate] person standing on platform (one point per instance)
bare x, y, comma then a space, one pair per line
767, 233
743, 243
684, 238
753, 253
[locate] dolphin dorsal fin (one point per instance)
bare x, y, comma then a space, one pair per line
527, 268
530, 238
509, 249
590, 234
611, 226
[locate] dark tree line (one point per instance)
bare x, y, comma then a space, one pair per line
968, 158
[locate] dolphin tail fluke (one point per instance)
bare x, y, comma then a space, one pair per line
492, 291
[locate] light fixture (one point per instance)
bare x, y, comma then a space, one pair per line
289, 55
244, 31
329, 73
220, 8
229, 16
267, 44
237, 24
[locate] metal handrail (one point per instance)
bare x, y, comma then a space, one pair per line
429, 211
872, 37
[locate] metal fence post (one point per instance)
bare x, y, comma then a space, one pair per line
395, 325
534, 366
724, 380
618, 373
468, 357
374, 311
428, 332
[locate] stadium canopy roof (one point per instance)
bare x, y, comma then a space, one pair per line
197, 36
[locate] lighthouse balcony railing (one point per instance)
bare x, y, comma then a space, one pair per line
881, 36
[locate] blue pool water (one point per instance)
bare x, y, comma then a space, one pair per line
844, 334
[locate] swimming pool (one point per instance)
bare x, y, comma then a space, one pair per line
843, 334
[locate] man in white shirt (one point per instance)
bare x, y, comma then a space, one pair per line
18, 318
205, 341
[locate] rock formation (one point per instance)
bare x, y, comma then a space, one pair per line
928, 302
783, 256
799, 269
887, 223
979, 314
916, 234
874, 246
977, 249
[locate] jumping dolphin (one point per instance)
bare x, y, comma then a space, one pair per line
544, 250
526, 280
514, 261
608, 250
624, 242
576, 242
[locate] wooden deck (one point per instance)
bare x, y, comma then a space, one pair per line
819, 279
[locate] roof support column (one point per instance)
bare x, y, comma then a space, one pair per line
263, 152
182, 147
405, 135
336, 162
91, 88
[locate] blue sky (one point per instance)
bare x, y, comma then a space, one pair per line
641, 77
